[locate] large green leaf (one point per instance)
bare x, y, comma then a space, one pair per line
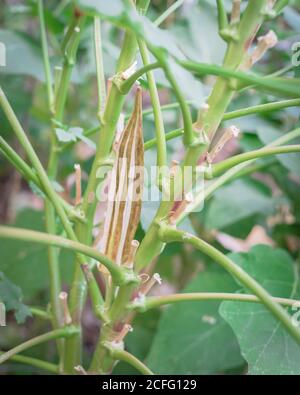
23, 55
201, 22
26, 263
11, 296
192, 338
264, 343
236, 201
113, 9
291, 161
127, 17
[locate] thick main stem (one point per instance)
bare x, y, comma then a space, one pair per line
110, 117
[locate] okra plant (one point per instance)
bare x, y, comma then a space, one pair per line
224, 179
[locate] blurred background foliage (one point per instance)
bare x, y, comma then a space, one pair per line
259, 208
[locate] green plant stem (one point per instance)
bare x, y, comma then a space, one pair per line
261, 109
114, 104
188, 136
118, 273
43, 177
40, 313
110, 117
96, 296
55, 334
69, 48
280, 4
157, 112
30, 176
99, 66
222, 16
102, 361
274, 85
127, 84
169, 136
69, 61
50, 367
166, 107
168, 12
227, 164
236, 170
154, 302
53, 264
255, 167
54, 272
218, 102
122, 355
169, 234
47, 67
12, 156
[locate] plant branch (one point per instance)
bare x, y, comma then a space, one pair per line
157, 112
169, 234
222, 17
99, 66
65, 332
30, 176
218, 101
41, 174
154, 302
261, 109
50, 367
234, 171
40, 313
289, 87
168, 12
118, 273
125, 85
221, 167
125, 356
169, 136
188, 136
47, 67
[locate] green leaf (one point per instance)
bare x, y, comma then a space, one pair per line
73, 134
291, 161
23, 55
26, 264
190, 87
12, 296
201, 22
105, 8
192, 338
264, 343
139, 341
126, 16
238, 200
292, 17
63, 136
78, 133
